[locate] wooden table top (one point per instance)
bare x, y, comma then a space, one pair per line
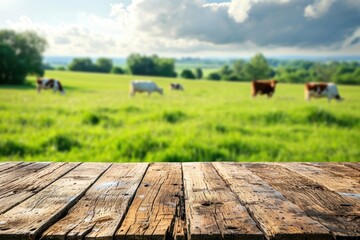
220, 200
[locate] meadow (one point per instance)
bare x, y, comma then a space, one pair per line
97, 120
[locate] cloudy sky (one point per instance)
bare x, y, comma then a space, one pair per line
233, 28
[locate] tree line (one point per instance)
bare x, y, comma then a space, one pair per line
291, 71
21, 54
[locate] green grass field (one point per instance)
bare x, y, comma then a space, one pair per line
210, 121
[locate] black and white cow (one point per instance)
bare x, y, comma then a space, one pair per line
45, 83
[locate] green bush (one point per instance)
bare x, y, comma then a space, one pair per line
174, 117
214, 76
91, 119
11, 148
61, 143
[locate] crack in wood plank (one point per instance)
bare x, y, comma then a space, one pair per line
212, 209
152, 212
340, 215
14, 192
341, 179
275, 215
31, 217
100, 211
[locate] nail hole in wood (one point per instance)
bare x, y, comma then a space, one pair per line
207, 204
345, 204
231, 227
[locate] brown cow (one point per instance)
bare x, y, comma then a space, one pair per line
263, 87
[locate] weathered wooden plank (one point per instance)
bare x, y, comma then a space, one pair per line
338, 168
340, 215
353, 165
98, 213
7, 165
153, 211
325, 175
20, 170
277, 217
212, 209
14, 192
31, 217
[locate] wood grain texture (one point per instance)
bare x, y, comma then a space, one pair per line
353, 165
212, 209
31, 217
19, 171
153, 212
336, 177
99, 212
340, 215
14, 192
7, 165
339, 169
277, 217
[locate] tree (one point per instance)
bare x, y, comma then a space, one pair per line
214, 76
165, 67
324, 72
151, 66
227, 73
198, 73
104, 65
82, 64
140, 65
117, 70
239, 68
20, 55
188, 74
258, 68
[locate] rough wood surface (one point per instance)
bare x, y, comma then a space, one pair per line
277, 217
340, 215
153, 212
353, 165
7, 165
31, 217
19, 171
100, 211
338, 169
336, 177
16, 191
212, 209
179, 201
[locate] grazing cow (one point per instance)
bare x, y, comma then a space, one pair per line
263, 87
176, 86
144, 86
45, 83
319, 90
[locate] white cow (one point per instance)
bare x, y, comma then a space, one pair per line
320, 90
144, 86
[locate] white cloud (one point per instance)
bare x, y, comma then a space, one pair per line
353, 40
318, 8
239, 9
194, 27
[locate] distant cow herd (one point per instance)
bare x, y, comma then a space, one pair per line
262, 87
